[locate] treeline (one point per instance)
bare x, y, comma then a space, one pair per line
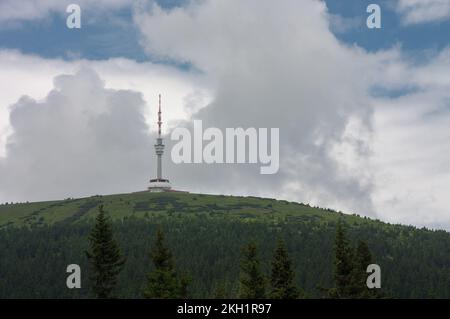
166, 282
208, 252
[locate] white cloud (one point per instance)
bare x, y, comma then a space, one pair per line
82, 137
412, 143
79, 140
273, 66
411, 160
422, 11
33, 76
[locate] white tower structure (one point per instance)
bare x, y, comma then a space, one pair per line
159, 184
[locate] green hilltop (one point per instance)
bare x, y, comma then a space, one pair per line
206, 234
146, 205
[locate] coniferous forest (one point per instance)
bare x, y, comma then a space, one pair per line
215, 247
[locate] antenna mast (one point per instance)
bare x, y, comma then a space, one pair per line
159, 117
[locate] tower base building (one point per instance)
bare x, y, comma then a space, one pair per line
159, 185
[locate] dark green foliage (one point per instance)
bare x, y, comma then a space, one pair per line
282, 275
363, 258
350, 268
104, 256
252, 281
33, 260
163, 280
343, 263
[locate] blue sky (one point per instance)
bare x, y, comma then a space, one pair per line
114, 34
424, 36
103, 35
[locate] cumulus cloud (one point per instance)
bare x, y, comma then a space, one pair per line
412, 142
81, 139
411, 161
422, 11
33, 76
44, 118
269, 70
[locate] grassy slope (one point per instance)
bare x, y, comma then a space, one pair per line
144, 204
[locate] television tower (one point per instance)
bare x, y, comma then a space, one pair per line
159, 184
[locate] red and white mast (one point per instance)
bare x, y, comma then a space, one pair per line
159, 184
159, 117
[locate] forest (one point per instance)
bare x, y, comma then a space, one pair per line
206, 236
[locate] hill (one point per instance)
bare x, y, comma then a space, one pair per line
206, 233
150, 205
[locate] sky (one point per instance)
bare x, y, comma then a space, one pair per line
363, 113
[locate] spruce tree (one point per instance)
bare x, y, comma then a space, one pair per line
343, 263
252, 281
163, 282
282, 275
363, 258
104, 256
